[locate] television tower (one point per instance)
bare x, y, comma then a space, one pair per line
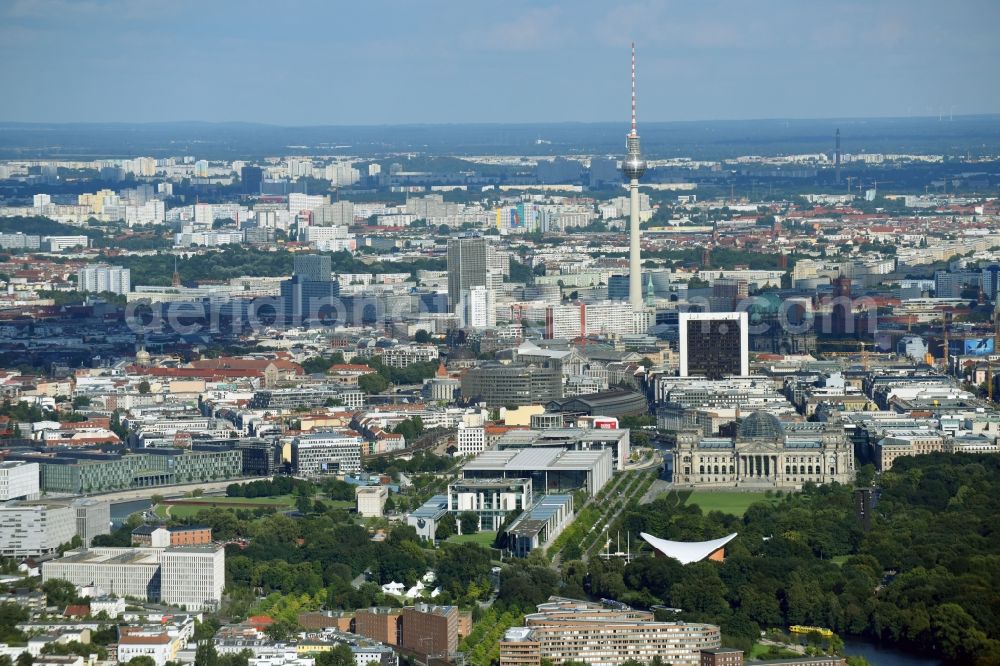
633, 166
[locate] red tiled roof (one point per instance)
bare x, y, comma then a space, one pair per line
77, 610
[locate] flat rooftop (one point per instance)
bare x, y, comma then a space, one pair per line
432, 507
533, 459
111, 556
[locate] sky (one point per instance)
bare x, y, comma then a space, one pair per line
375, 62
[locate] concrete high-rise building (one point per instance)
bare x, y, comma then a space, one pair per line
468, 265
18, 480
311, 294
102, 277
727, 293
251, 178
575, 320
714, 344
312, 267
477, 307
192, 577
35, 529
93, 518
633, 167
603, 172
338, 213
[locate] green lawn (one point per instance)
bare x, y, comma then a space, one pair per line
287, 500
759, 651
484, 539
733, 503
180, 511
839, 559
281, 502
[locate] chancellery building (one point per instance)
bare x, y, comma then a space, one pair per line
765, 454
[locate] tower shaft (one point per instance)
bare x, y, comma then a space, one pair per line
634, 249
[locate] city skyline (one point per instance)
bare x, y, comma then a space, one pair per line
432, 64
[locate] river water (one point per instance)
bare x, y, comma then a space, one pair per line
122, 510
879, 655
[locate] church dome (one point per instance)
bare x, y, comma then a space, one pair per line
761, 425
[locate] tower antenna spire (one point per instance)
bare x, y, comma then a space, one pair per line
634, 132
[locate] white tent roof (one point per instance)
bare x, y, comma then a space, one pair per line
686, 552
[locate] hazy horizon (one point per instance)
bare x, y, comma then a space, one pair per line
943, 117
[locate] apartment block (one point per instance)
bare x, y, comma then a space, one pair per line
430, 630
193, 577
18, 480
570, 630
30, 530
380, 624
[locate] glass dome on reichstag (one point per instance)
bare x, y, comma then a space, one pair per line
761, 425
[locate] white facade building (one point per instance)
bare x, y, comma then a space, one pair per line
193, 577
18, 480
102, 277
402, 356
123, 572
32, 530
93, 518
326, 453
371, 500
582, 319
151, 212
61, 243
471, 440
478, 307
189, 576
330, 239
